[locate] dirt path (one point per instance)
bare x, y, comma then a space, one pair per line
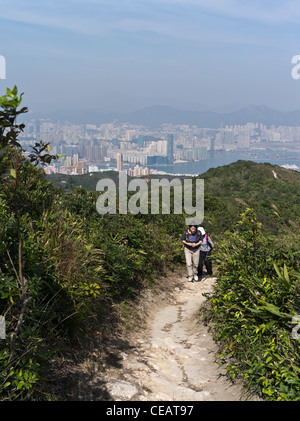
173, 359
169, 356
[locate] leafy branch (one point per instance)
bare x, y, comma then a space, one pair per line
12, 162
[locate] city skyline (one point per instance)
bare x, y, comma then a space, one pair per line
89, 147
121, 56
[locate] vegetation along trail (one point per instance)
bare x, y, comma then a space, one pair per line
173, 358
91, 313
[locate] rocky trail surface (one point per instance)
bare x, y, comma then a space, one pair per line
172, 357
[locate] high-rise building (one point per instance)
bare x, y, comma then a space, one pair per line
141, 141
170, 141
119, 162
243, 140
75, 159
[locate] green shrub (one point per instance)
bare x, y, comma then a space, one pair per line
251, 309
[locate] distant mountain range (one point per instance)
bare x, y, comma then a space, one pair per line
155, 116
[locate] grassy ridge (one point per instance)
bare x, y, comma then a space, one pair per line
273, 192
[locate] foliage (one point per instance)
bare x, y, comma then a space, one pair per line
135, 248
64, 267
252, 306
18, 177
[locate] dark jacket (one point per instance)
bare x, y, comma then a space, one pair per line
191, 238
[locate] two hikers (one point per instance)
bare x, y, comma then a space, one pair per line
197, 249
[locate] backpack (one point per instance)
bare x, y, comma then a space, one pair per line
208, 242
187, 235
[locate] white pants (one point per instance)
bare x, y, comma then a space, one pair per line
192, 260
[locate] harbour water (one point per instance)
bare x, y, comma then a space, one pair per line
219, 158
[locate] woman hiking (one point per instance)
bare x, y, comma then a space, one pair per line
191, 238
205, 253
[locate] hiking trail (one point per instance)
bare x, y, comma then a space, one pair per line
171, 358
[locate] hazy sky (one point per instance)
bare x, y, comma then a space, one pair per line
121, 55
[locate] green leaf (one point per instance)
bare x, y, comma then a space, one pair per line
20, 385
296, 368
285, 279
254, 310
271, 308
277, 271
286, 275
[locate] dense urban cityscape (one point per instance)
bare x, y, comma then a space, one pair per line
89, 148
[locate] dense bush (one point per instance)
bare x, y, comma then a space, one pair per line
251, 309
76, 267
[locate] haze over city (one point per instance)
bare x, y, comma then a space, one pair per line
119, 56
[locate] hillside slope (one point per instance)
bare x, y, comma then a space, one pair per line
272, 191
